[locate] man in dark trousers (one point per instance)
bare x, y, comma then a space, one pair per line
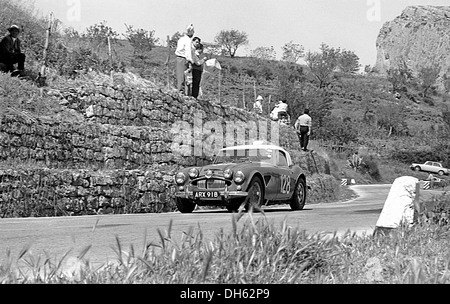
303, 126
10, 52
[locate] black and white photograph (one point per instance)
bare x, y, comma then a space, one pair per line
225, 150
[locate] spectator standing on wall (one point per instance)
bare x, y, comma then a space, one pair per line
10, 51
197, 69
184, 53
303, 127
257, 106
189, 74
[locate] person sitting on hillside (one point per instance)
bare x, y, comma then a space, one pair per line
257, 106
10, 52
280, 112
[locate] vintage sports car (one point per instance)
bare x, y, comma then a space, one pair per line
248, 176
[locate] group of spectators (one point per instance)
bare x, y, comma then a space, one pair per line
189, 69
279, 113
189, 63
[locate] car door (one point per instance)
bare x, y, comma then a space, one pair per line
285, 174
428, 167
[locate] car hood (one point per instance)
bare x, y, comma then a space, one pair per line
223, 167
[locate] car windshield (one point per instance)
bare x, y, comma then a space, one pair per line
242, 155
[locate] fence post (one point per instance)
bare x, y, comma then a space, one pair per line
42, 74
417, 206
167, 62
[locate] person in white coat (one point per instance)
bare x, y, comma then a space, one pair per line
184, 54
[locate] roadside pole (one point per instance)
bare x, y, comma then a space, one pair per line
417, 206
42, 75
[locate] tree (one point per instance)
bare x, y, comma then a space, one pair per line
348, 61
427, 77
141, 40
231, 40
290, 77
392, 118
446, 118
99, 34
262, 52
399, 76
446, 79
322, 64
292, 52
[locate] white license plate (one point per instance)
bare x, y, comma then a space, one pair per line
206, 194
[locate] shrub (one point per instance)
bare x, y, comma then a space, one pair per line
440, 212
370, 166
355, 162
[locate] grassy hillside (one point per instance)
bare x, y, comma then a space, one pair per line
354, 113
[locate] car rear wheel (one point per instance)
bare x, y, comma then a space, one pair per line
185, 205
417, 168
298, 199
255, 196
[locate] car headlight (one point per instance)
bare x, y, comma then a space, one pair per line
180, 178
239, 177
228, 173
193, 173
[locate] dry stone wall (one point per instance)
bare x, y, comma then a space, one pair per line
111, 148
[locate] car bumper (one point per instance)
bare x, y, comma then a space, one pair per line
224, 194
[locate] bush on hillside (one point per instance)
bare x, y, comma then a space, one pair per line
439, 152
370, 167
439, 210
24, 98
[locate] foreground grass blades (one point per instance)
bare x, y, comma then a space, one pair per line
258, 253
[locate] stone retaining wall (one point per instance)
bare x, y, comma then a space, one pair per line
53, 192
115, 145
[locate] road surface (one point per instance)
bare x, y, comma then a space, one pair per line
53, 237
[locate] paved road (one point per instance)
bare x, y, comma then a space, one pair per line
53, 237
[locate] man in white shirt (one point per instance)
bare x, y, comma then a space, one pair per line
303, 126
184, 56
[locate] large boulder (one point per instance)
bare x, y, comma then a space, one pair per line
419, 37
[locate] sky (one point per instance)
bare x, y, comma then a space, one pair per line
347, 24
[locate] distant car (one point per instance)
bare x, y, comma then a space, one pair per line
431, 167
249, 176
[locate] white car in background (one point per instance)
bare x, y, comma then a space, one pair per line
431, 167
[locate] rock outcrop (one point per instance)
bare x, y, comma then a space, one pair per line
419, 37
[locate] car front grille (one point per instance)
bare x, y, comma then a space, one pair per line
211, 184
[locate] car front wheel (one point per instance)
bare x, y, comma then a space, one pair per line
298, 199
255, 196
417, 168
441, 172
185, 205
